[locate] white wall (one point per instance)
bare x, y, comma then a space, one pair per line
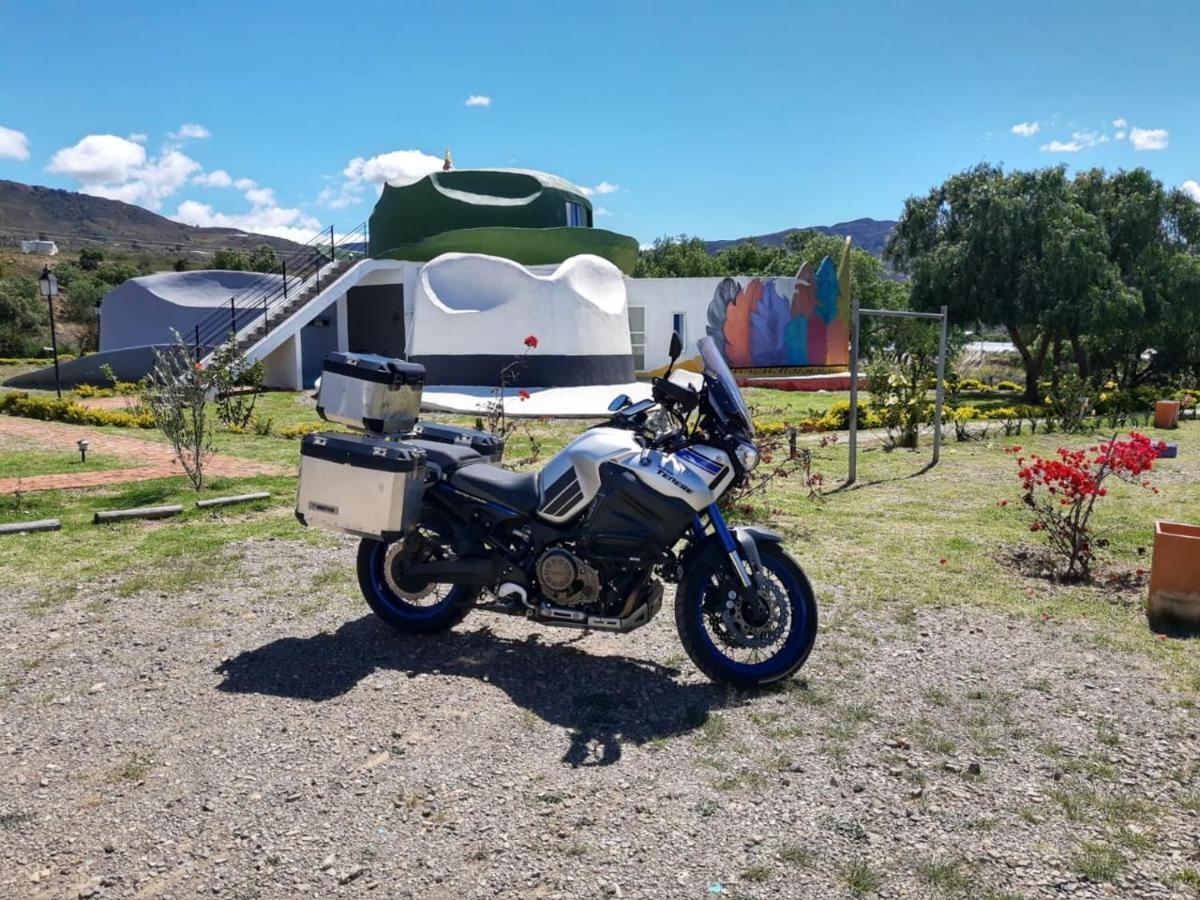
661, 298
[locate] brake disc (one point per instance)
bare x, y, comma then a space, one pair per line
737, 630
403, 553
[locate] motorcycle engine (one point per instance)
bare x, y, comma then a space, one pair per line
566, 579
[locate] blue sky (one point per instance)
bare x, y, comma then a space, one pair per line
717, 119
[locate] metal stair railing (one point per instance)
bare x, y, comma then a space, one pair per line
251, 313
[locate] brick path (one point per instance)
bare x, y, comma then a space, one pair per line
150, 460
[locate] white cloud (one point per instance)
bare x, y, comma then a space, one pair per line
109, 166
1062, 147
190, 130
1120, 135
1191, 187
292, 224
398, 167
217, 178
1148, 138
601, 211
99, 158
244, 184
479, 100
604, 187
13, 144
260, 196
1026, 129
138, 137
1119, 123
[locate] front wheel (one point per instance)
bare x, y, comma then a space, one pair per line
748, 641
415, 608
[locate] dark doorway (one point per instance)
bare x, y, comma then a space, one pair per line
375, 315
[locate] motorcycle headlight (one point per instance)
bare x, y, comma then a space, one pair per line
747, 456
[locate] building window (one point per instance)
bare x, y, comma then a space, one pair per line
637, 336
575, 216
679, 326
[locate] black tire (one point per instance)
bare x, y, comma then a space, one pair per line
399, 612
690, 620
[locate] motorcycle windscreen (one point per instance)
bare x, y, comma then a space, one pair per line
728, 401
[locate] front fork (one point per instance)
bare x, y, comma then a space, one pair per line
741, 549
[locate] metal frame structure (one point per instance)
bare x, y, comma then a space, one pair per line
855, 313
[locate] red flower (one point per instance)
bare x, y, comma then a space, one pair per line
1002, 503
523, 394
531, 341
942, 561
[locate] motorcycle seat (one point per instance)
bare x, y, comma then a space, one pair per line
447, 457
516, 490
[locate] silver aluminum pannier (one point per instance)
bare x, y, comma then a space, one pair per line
371, 393
361, 485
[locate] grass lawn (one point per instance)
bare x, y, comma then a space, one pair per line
902, 537
28, 462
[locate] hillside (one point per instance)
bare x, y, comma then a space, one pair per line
74, 220
869, 234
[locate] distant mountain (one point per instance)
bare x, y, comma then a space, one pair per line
869, 234
73, 220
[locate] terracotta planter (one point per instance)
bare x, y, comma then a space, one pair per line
1175, 575
1166, 414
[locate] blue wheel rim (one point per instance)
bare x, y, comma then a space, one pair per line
797, 593
387, 598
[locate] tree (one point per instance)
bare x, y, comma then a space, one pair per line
82, 298
23, 317
1011, 249
181, 265
90, 258
230, 259
262, 259
176, 393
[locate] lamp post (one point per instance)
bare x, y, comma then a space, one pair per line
49, 288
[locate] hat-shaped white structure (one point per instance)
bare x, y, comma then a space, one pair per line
472, 314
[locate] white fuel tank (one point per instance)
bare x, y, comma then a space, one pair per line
698, 475
571, 479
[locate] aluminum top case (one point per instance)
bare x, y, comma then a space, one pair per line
360, 484
371, 393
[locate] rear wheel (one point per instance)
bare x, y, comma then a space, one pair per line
748, 640
408, 606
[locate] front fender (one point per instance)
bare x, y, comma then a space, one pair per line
710, 551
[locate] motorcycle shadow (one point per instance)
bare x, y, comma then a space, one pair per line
604, 702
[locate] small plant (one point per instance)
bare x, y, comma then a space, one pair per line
494, 413
860, 879
176, 393
261, 425
1062, 492
237, 383
1097, 862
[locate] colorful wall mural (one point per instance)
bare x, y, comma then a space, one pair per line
773, 323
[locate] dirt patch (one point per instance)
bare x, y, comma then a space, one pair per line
265, 736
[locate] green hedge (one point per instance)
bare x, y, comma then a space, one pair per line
50, 409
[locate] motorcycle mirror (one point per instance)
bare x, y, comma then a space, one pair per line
676, 346
619, 402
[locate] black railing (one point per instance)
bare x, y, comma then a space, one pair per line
274, 295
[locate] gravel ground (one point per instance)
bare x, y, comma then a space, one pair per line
264, 736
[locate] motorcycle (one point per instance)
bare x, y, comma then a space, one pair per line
588, 541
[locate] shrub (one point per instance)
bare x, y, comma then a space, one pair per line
1007, 386
961, 417
973, 385
51, 409
299, 431
176, 393
237, 382
1062, 492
